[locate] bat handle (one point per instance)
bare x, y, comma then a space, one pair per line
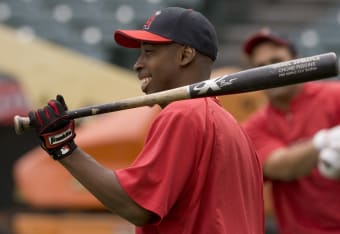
21, 124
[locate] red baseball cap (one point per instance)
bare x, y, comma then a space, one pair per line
173, 24
263, 35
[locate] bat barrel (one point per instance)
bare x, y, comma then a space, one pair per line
295, 71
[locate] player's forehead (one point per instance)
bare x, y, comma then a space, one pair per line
155, 44
269, 51
150, 45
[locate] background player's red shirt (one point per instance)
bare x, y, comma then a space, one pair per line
310, 205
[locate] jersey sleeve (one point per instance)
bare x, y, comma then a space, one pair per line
160, 172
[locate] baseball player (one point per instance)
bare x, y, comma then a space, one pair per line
197, 172
290, 132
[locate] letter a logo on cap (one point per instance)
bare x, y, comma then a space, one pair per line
150, 20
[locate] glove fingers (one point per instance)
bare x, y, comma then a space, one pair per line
35, 119
61, 100
39, 118
56, 106
44, 115
50, 112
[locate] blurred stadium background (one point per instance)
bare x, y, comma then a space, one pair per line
87, 25
66, 46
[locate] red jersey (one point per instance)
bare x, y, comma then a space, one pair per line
197, 172
309, 205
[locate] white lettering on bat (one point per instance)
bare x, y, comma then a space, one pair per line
213, 85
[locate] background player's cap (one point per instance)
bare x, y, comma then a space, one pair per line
264, 35
174, 24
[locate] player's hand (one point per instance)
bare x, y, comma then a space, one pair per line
327, 138
55, 130
329, 163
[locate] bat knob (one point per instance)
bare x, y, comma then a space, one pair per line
21, 124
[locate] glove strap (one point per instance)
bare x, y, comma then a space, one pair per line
60, 143
64, 151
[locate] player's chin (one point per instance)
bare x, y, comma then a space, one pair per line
145, 90
278, 93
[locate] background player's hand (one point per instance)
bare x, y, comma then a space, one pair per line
326, 138
329, 163
55, 130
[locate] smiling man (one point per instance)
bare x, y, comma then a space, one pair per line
197, 172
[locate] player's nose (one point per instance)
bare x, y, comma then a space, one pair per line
138, 64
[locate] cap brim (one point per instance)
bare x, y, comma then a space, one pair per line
255, 40
133, 38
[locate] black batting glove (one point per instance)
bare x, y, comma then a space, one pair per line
54, 129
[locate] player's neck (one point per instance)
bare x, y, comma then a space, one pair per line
281, 105
284, 101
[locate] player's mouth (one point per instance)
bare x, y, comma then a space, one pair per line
145, 81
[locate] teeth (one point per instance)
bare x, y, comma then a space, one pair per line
145, 82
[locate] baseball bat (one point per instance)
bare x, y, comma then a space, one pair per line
290, 72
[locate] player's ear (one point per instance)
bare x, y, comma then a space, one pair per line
187, 55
